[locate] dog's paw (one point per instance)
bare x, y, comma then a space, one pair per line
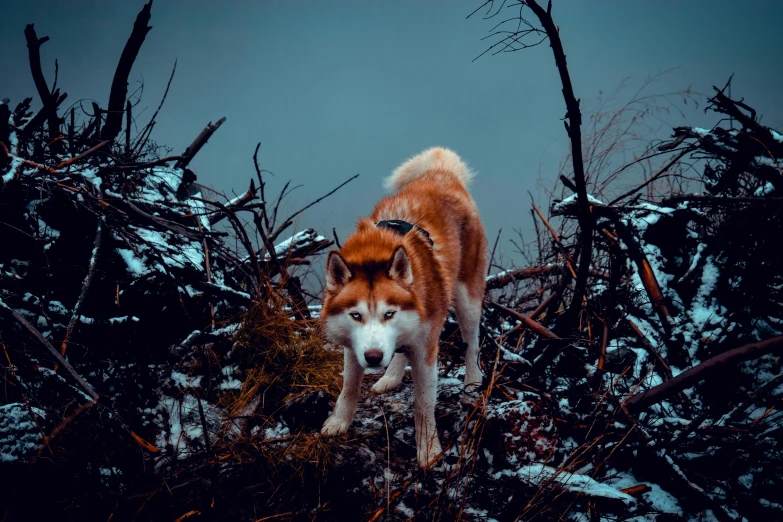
335, 426
386, 384
426, 455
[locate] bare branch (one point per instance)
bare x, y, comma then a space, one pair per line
33, 330
119, 86
48, 98
199, 142
692, 376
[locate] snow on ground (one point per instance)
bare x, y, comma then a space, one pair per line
19, 433
541, 474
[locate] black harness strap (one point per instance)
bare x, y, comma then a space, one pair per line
403, 227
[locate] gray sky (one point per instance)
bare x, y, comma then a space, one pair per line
336, 88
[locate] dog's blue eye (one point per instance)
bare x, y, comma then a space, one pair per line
389, 315
356, 315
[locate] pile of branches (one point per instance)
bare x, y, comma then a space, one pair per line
161, 359
118, 274
670, 370
652, 327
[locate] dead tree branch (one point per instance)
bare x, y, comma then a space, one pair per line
290, 219
236, 203
700, 372
199, 142
33, 330
573, 128
119, 86
48, 98
77, 308
528, 322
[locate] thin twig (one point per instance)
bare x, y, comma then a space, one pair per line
273, 236
85, 286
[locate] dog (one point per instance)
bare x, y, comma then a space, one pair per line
390, 287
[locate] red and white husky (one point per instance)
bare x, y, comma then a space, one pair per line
389, 288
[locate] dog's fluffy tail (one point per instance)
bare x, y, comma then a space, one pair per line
436, 158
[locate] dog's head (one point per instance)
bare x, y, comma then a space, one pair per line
370, 306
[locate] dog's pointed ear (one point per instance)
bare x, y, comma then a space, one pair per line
400, 268
337, 272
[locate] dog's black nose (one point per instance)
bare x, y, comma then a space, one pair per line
373, 357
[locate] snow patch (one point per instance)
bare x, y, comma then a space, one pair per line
541, 474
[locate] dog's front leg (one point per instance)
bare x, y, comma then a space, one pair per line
425, 391
345, 408
392, 378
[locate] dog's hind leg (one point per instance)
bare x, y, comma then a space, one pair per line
425, 393
345, 408
392, 378
468, 311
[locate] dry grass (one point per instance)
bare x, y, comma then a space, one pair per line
285, 359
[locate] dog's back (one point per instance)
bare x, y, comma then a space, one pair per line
431, 191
